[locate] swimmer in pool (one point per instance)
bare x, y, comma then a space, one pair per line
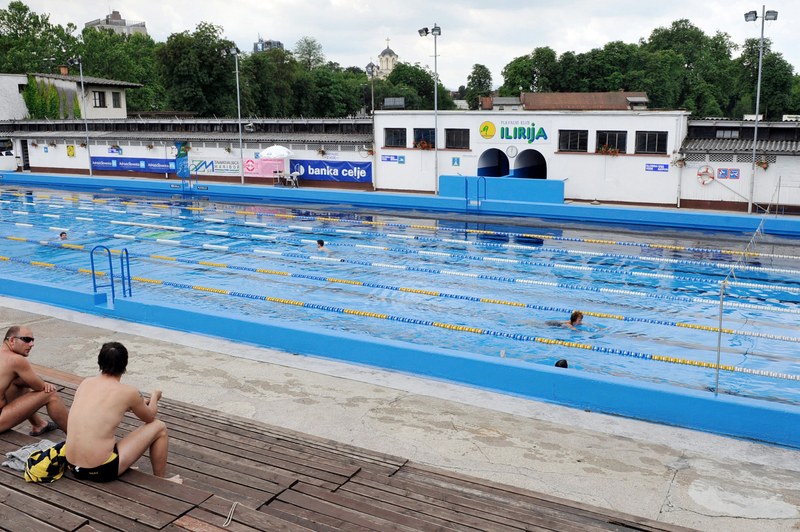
575, 319
63, 235
321, 247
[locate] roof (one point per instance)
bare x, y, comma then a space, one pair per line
506, 100
90, 80
310, 138
743, 146
388, 51
582, 101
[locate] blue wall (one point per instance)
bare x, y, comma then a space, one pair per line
450, 200
723, 414
502, 189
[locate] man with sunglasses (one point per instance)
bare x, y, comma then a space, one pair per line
22, 391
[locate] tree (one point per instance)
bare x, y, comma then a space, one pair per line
198, 77
26, 39
536, 72
479, 83
414, 77
308, 52
776, 78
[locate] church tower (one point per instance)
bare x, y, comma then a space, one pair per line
386, 62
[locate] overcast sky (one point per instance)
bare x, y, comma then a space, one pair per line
488, 32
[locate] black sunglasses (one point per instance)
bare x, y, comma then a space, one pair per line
26, 339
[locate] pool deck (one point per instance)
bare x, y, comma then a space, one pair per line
664, 474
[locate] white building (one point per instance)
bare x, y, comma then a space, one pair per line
116, 23
105, 98
553, 145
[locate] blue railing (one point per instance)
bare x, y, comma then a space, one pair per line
125, 269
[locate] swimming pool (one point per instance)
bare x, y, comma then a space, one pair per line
492, 292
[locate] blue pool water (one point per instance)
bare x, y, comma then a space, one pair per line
491, 293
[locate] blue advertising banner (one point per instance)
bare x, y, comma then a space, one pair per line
158, 166
332, 170
182, 160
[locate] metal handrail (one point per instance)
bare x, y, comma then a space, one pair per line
125, 268
110, 271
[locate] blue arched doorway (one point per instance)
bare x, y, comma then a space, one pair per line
493, 163
530, 164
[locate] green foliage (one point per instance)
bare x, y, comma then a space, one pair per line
31, 97
479, 83
26, 39
308, 52
198, 77
53, 102
76, 108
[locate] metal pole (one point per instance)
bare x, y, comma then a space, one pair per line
758, 101
435, 114
239, 108
85, 122
719, 333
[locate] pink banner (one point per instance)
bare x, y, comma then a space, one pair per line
262, 167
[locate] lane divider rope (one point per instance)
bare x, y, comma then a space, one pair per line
460, 328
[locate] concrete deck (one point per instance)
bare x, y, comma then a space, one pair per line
672, 475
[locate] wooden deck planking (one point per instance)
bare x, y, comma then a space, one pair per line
464, 510
282, 481
40, 510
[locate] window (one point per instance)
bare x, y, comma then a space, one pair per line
99, 98
613, 139
394, 137
651, 142
727, 133
573, 140
116, 100
425, 135
456, 139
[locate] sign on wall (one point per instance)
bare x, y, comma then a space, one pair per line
332, 170
160, 166
514, 132
649, 167
262, 167
727, 173
225, 167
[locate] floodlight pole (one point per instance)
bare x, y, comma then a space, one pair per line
424, 32
436, 32
239, 108
85, 110
752, 16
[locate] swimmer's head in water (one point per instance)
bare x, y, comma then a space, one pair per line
576, 318
562, 363
321, 243
63, 235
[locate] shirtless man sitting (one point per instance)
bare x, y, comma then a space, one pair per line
22, 391
97, 410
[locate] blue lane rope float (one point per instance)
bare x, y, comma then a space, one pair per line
730, 304
459, 328
742, 284
426, 292
374, 234
447, 229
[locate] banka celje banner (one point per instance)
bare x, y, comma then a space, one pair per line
332, 170
158, 166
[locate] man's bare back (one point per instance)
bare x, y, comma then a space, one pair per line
92, 440
92, 450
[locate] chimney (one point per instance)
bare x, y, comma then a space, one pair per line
64, 70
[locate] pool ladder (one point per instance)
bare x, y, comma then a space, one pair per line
125, 267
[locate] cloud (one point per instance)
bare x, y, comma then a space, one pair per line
473, 31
